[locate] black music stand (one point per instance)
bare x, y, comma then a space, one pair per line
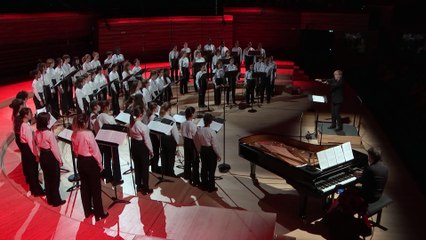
317, 99
161, 127
223, 167
65, 136
258, 76
208, 57
111, 142
231, 75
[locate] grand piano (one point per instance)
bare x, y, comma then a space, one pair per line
296, 162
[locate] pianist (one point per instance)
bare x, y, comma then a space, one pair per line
373, 178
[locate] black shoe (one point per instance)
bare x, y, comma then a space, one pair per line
338, 129
195, 184
212, 189
103, 216
62, 202
332, 126
119, 182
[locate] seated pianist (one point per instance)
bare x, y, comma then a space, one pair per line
373, 178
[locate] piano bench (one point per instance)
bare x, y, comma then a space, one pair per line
376, 208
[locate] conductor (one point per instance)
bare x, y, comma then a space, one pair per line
336, 89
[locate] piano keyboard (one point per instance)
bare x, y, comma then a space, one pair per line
330, 184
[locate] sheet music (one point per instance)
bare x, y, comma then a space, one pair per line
322, 159
318, 99
52, 121
111, 136
160, 127
123, 117
65, 134
43, 109
214, 125
179, 118
338, 151
331, 157
347, 151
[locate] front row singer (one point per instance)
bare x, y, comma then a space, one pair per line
50, 159
89, 165
205, 141
141, 150
168, 142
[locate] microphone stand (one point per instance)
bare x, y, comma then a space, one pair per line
224, 167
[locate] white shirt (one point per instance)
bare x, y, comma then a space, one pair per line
175, 132
160, 83
104, 118
198, 76
260, 67
187, 50
173, 55
48, 76
66, 69
100, 80
218, 73
188, 129
140, 131
95, 63
113, 76
200, 60
223, 50
209, 47
206, 137
215, 58
183, 63
108, 61
146, 96
87, 66
126, 83
135, 70
79, 95
116, 58
248, 76
37, 88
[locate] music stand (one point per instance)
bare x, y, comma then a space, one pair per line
65, 136
317, 99
224, 167
124, 118
258, 76
112, 136
161, 127
231, 75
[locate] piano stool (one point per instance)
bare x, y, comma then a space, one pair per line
376, 208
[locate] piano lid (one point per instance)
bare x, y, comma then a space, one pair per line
293, 152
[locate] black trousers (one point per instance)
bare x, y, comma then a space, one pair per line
51, 173
263, 85
90, 189
114, 102
217, 95
335, 114
231, 90
37, 103
168, 153
250, 91
140, 155
155, 141
183, 84
208, 167
31, 166
201, 97
191, 168
194, 74
174, 71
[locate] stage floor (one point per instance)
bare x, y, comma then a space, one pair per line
179, 211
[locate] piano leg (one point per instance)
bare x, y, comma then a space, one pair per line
303, 199
253, 170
